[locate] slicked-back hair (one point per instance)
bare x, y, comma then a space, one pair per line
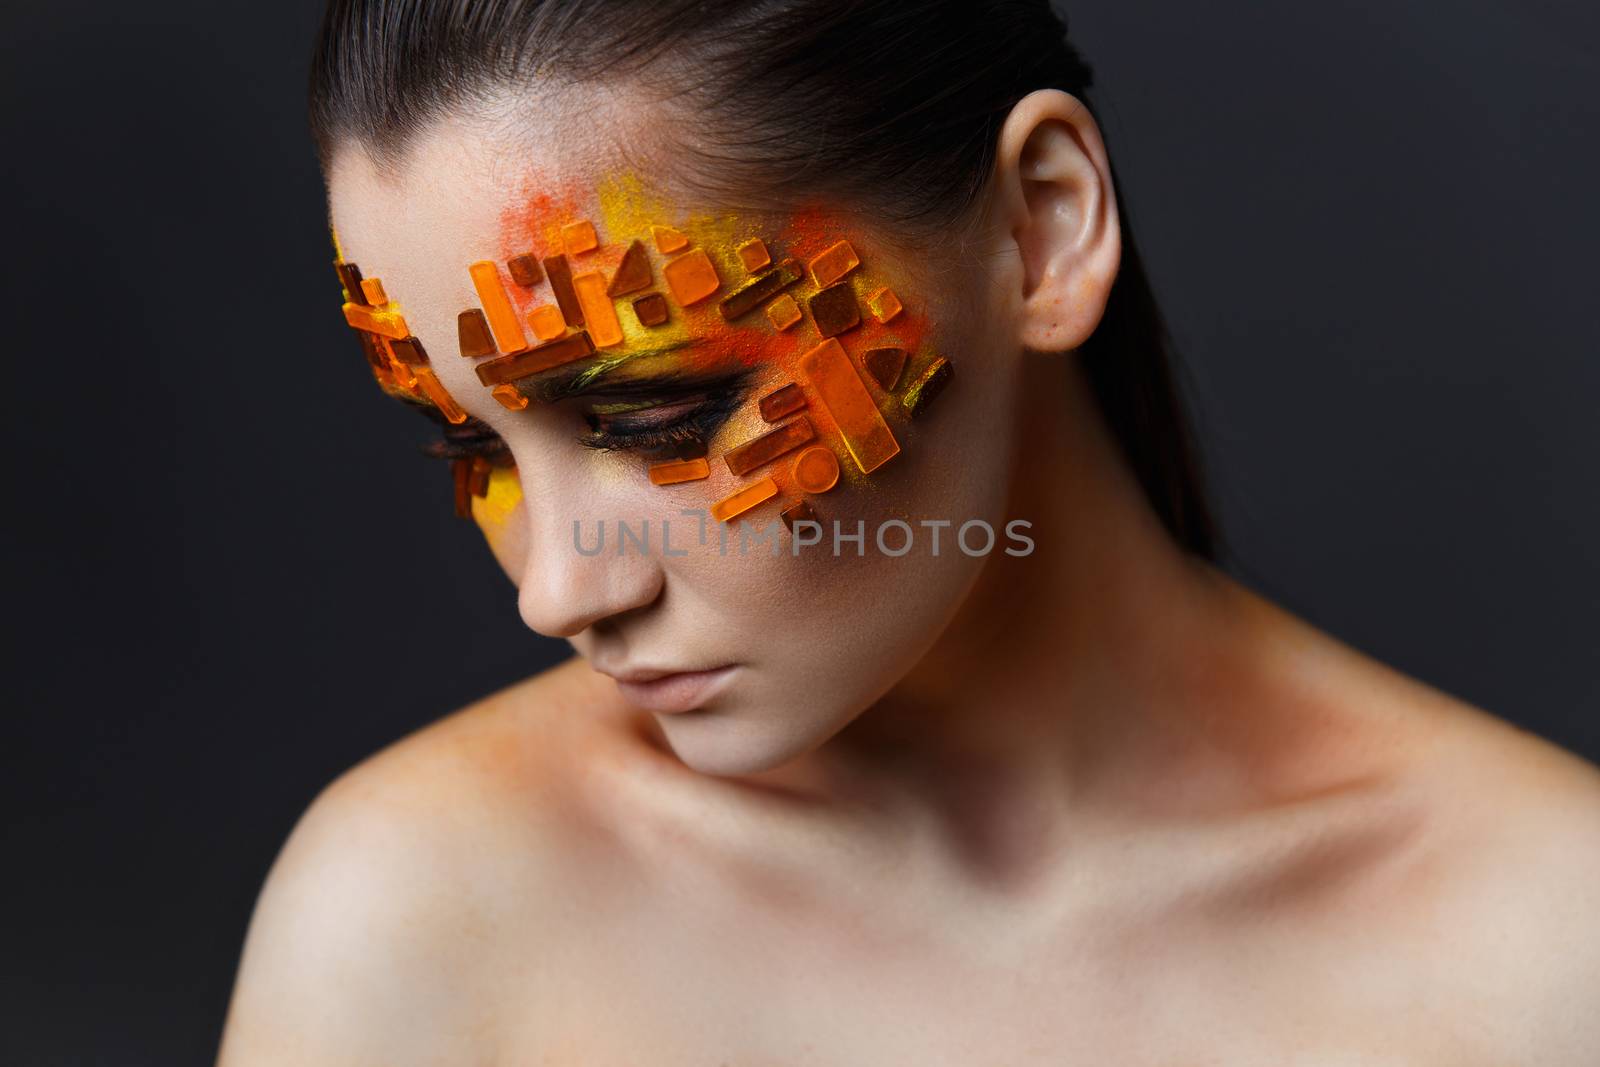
891, 105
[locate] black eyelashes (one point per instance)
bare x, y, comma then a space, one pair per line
647, 427
680, 438
469, 439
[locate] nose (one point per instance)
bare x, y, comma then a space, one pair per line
579, 570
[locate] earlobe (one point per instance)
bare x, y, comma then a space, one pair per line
1055, 183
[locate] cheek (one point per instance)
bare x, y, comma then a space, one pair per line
831, 629
836, 632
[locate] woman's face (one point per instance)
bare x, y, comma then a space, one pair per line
667, 374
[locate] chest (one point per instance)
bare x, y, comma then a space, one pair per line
720, 987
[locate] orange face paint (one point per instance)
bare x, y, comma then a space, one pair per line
804, 300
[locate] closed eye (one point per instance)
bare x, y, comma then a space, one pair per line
661, 430
661, 417
469, 439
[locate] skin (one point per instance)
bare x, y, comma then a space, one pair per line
1099, 804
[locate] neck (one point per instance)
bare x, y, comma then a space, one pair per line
1056, 658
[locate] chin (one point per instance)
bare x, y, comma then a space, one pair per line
730, 740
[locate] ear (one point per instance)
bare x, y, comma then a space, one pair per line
1054, 197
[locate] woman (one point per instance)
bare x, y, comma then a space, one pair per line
795, 362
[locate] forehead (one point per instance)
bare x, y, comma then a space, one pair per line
443, 200
465, 196
464, 173
469, 193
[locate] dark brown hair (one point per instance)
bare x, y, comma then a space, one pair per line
893, 105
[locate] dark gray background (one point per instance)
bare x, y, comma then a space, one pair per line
1373, 226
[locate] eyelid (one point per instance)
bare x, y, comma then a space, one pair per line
690, 420
589, 378
473, 437
492, 448
653, 388
623, 407
649, 413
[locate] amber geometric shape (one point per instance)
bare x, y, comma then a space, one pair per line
884, 305
733, 506
598, 311
650, 309
472, 332
350, 278
578, 237
404, 376
816, 470
559, 272
799, 511
525, 270
478, 477
691, 277
668, 240
384, 323
754, 255
769, 446
372, 347
833, 264
377, 358
840, 389
547, 322
759, 290
885, 365
509, 397
372, 289
927, 386
503, 319
442, 400
409, 350
679, 470
782, 401
633, 273
461, 475
783, 312
536, 359
834, 310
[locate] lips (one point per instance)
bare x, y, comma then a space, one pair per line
643, 675
671, 692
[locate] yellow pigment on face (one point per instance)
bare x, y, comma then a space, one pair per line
492, 511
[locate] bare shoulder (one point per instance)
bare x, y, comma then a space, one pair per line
404, 883
1499, 911
1451, 881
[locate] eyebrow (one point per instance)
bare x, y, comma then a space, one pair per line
588, 377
